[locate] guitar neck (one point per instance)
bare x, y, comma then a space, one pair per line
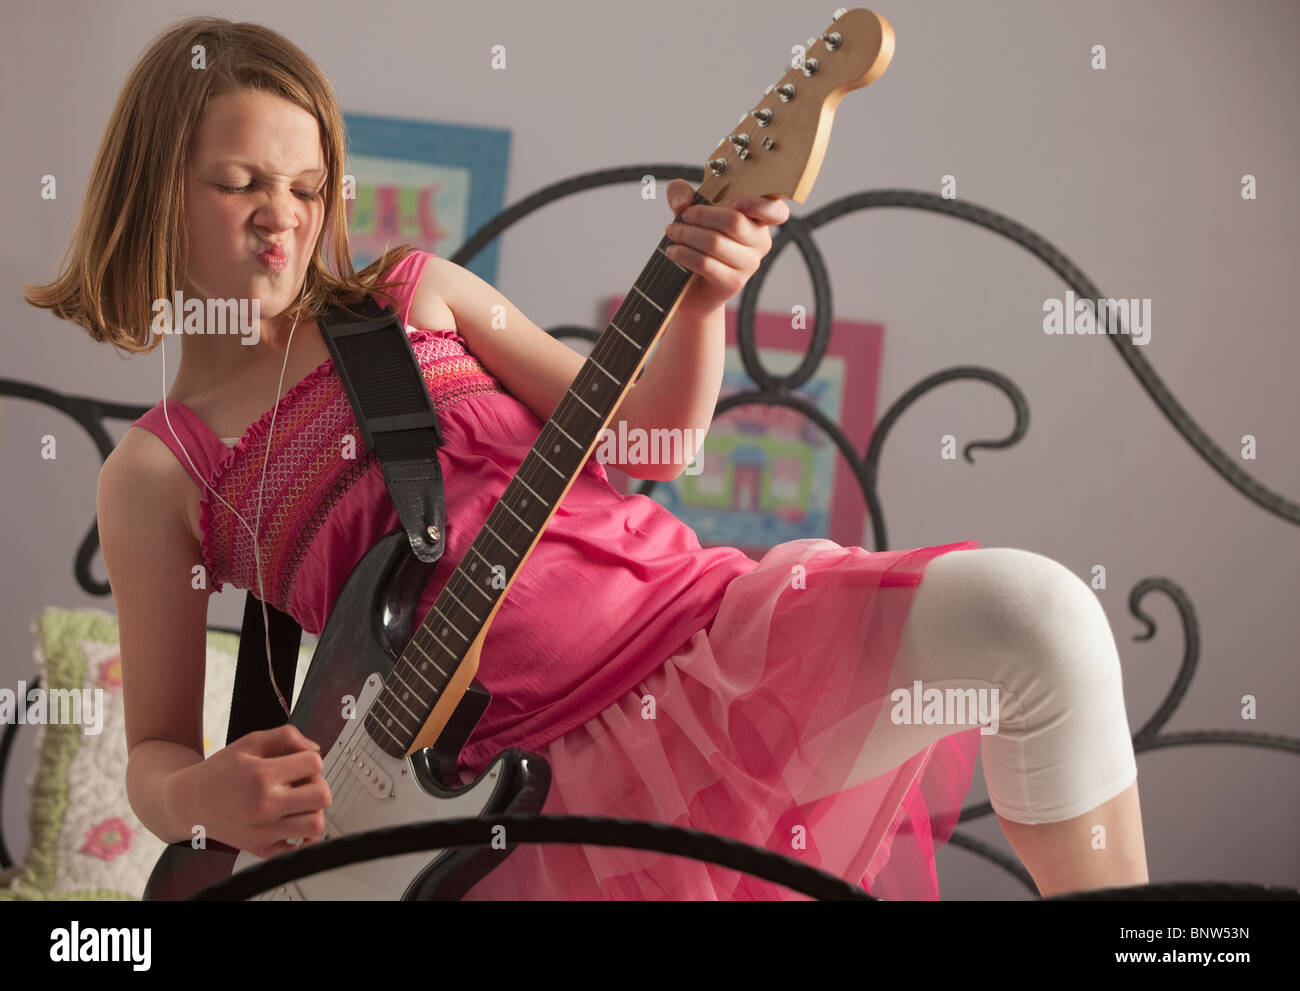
473, 593
775, 150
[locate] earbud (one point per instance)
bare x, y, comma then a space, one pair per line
257, 559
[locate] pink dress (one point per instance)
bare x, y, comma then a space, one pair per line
661, 681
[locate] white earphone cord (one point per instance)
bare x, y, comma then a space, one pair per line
257, 558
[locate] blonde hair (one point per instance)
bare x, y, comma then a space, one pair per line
131, 242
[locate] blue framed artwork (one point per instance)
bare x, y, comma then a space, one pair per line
422, 183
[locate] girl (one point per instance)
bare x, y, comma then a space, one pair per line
768, 701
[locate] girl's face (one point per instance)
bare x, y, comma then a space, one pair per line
255, 178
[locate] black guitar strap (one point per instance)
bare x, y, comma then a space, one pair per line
373, 357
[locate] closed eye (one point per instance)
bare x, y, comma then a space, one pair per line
232, 190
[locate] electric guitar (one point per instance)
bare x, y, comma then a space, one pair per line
395, 761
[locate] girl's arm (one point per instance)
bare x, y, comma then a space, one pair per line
532, 365
537, 369
680, 382
154, 786
151, 559
260, 791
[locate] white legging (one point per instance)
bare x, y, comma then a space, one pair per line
1024, 624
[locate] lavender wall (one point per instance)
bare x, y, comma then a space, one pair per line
1135, 172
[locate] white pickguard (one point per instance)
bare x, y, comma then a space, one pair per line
385, 794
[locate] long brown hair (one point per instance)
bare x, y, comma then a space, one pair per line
131, 243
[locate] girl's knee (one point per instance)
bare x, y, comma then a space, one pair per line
1021, 606
1027, 624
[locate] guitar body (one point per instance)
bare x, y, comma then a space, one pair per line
370, 625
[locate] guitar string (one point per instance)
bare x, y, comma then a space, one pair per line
361, 739
531, 474
353, 787
358, 737
351, 793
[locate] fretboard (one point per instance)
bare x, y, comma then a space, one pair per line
515, 523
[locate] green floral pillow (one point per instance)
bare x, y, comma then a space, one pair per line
86, 842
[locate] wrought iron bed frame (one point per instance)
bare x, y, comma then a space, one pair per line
778, 390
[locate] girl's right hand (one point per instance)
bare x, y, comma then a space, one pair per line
262, 791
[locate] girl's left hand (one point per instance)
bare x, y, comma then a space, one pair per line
722, 245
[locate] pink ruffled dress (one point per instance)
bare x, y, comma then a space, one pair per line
662, 681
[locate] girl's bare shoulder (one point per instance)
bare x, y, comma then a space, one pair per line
429, 309
142, 480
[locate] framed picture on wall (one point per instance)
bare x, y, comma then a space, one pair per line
423, 183
767, 473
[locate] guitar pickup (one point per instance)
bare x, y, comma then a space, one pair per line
374, 778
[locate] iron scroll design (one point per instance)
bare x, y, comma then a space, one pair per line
779, 390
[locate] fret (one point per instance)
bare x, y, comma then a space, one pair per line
500, 540
414, 714
399, 678
438, 640
529, 488
551, 466
479, 590
669, 260
462, 605
648, 299
612, 378
454, 656
449, 622
516, 515
614, 361
431, 661
628, 339
579, 398
480, 557
566, 434
370, 719
379, 701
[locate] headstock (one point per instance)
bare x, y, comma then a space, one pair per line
777, 147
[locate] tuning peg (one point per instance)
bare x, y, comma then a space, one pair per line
833, 40
839, 12
718, 165
764, 116
786, 92
741, 139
